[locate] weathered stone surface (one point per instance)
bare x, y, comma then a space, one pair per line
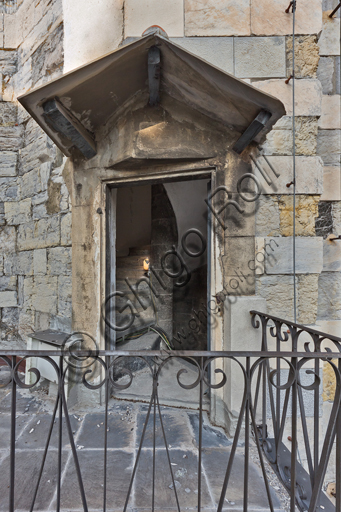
268, 17
39, 234
8, 238
267, 217
8, 283
48, 57
20, 263
9, 190
307, 295
8, 114
59, 261
279, 141
8, 62
306, 211
8, 299
8, 163
91, 33
216, 50
41, 293
331, 184
64, 295
279, 294
18, 212
329, 146
336, 215
209, 18
308, 95
331, 113
65, 229
40, 261
259, 57
35, 153
326, 74
331, 256
30, 184
329, 42
309, 255
306, 56
138, 17
11, 137
306, 182
329, 296
11, 35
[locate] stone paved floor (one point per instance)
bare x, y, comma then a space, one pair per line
126, 422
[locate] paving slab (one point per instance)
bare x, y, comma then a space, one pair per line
120, 434
5, 427
176, 427
27, 467
185, 471
25, 403
211, 437
119, 470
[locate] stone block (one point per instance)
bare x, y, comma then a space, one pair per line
329, 146
30, 184
308, 95
217, 18
59, 261
8, 62
309, 255
336, 215
306, 56
47, 59
337, 61
331, 256
40, 261
20, 263
8, 299
65, 229
18, 212
35, 153
279, 141
39, 234
9, 190
215, 50
307, 298
8, 283
331, 184
91, 32
268, 17
326, 74
11, 138
329, 41
259, 57
41, 293
306, 211
8, 237
12, 37
279, 294
329, 296
8, 163
309, 174
330, 113
8, 113
267, 217
139, 16
65, 296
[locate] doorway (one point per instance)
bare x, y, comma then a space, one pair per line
157, 265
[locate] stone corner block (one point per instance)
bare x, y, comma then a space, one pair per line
217, 18
260, 57
331, 256
330, 113
279, 255
141, 15
329, 41
215, 50
8, 299
331, 183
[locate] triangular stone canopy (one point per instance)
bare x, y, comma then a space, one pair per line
73, 108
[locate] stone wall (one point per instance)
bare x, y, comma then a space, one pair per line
35, 217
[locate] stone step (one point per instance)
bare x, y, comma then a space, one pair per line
133, 274
130, 262
143, 250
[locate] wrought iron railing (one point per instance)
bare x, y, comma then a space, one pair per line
273, 401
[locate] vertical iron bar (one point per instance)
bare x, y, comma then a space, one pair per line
316, 420
154, 430
200, 432
338, 457
60, 431
247, 437
106, 434
294, 155
12, 441
278, 391
294, 439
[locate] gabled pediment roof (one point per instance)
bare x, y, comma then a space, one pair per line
93, 93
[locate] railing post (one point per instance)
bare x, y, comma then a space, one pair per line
12, 440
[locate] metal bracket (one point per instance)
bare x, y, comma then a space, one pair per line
64, 122
154, 75
252, 131
335, 10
